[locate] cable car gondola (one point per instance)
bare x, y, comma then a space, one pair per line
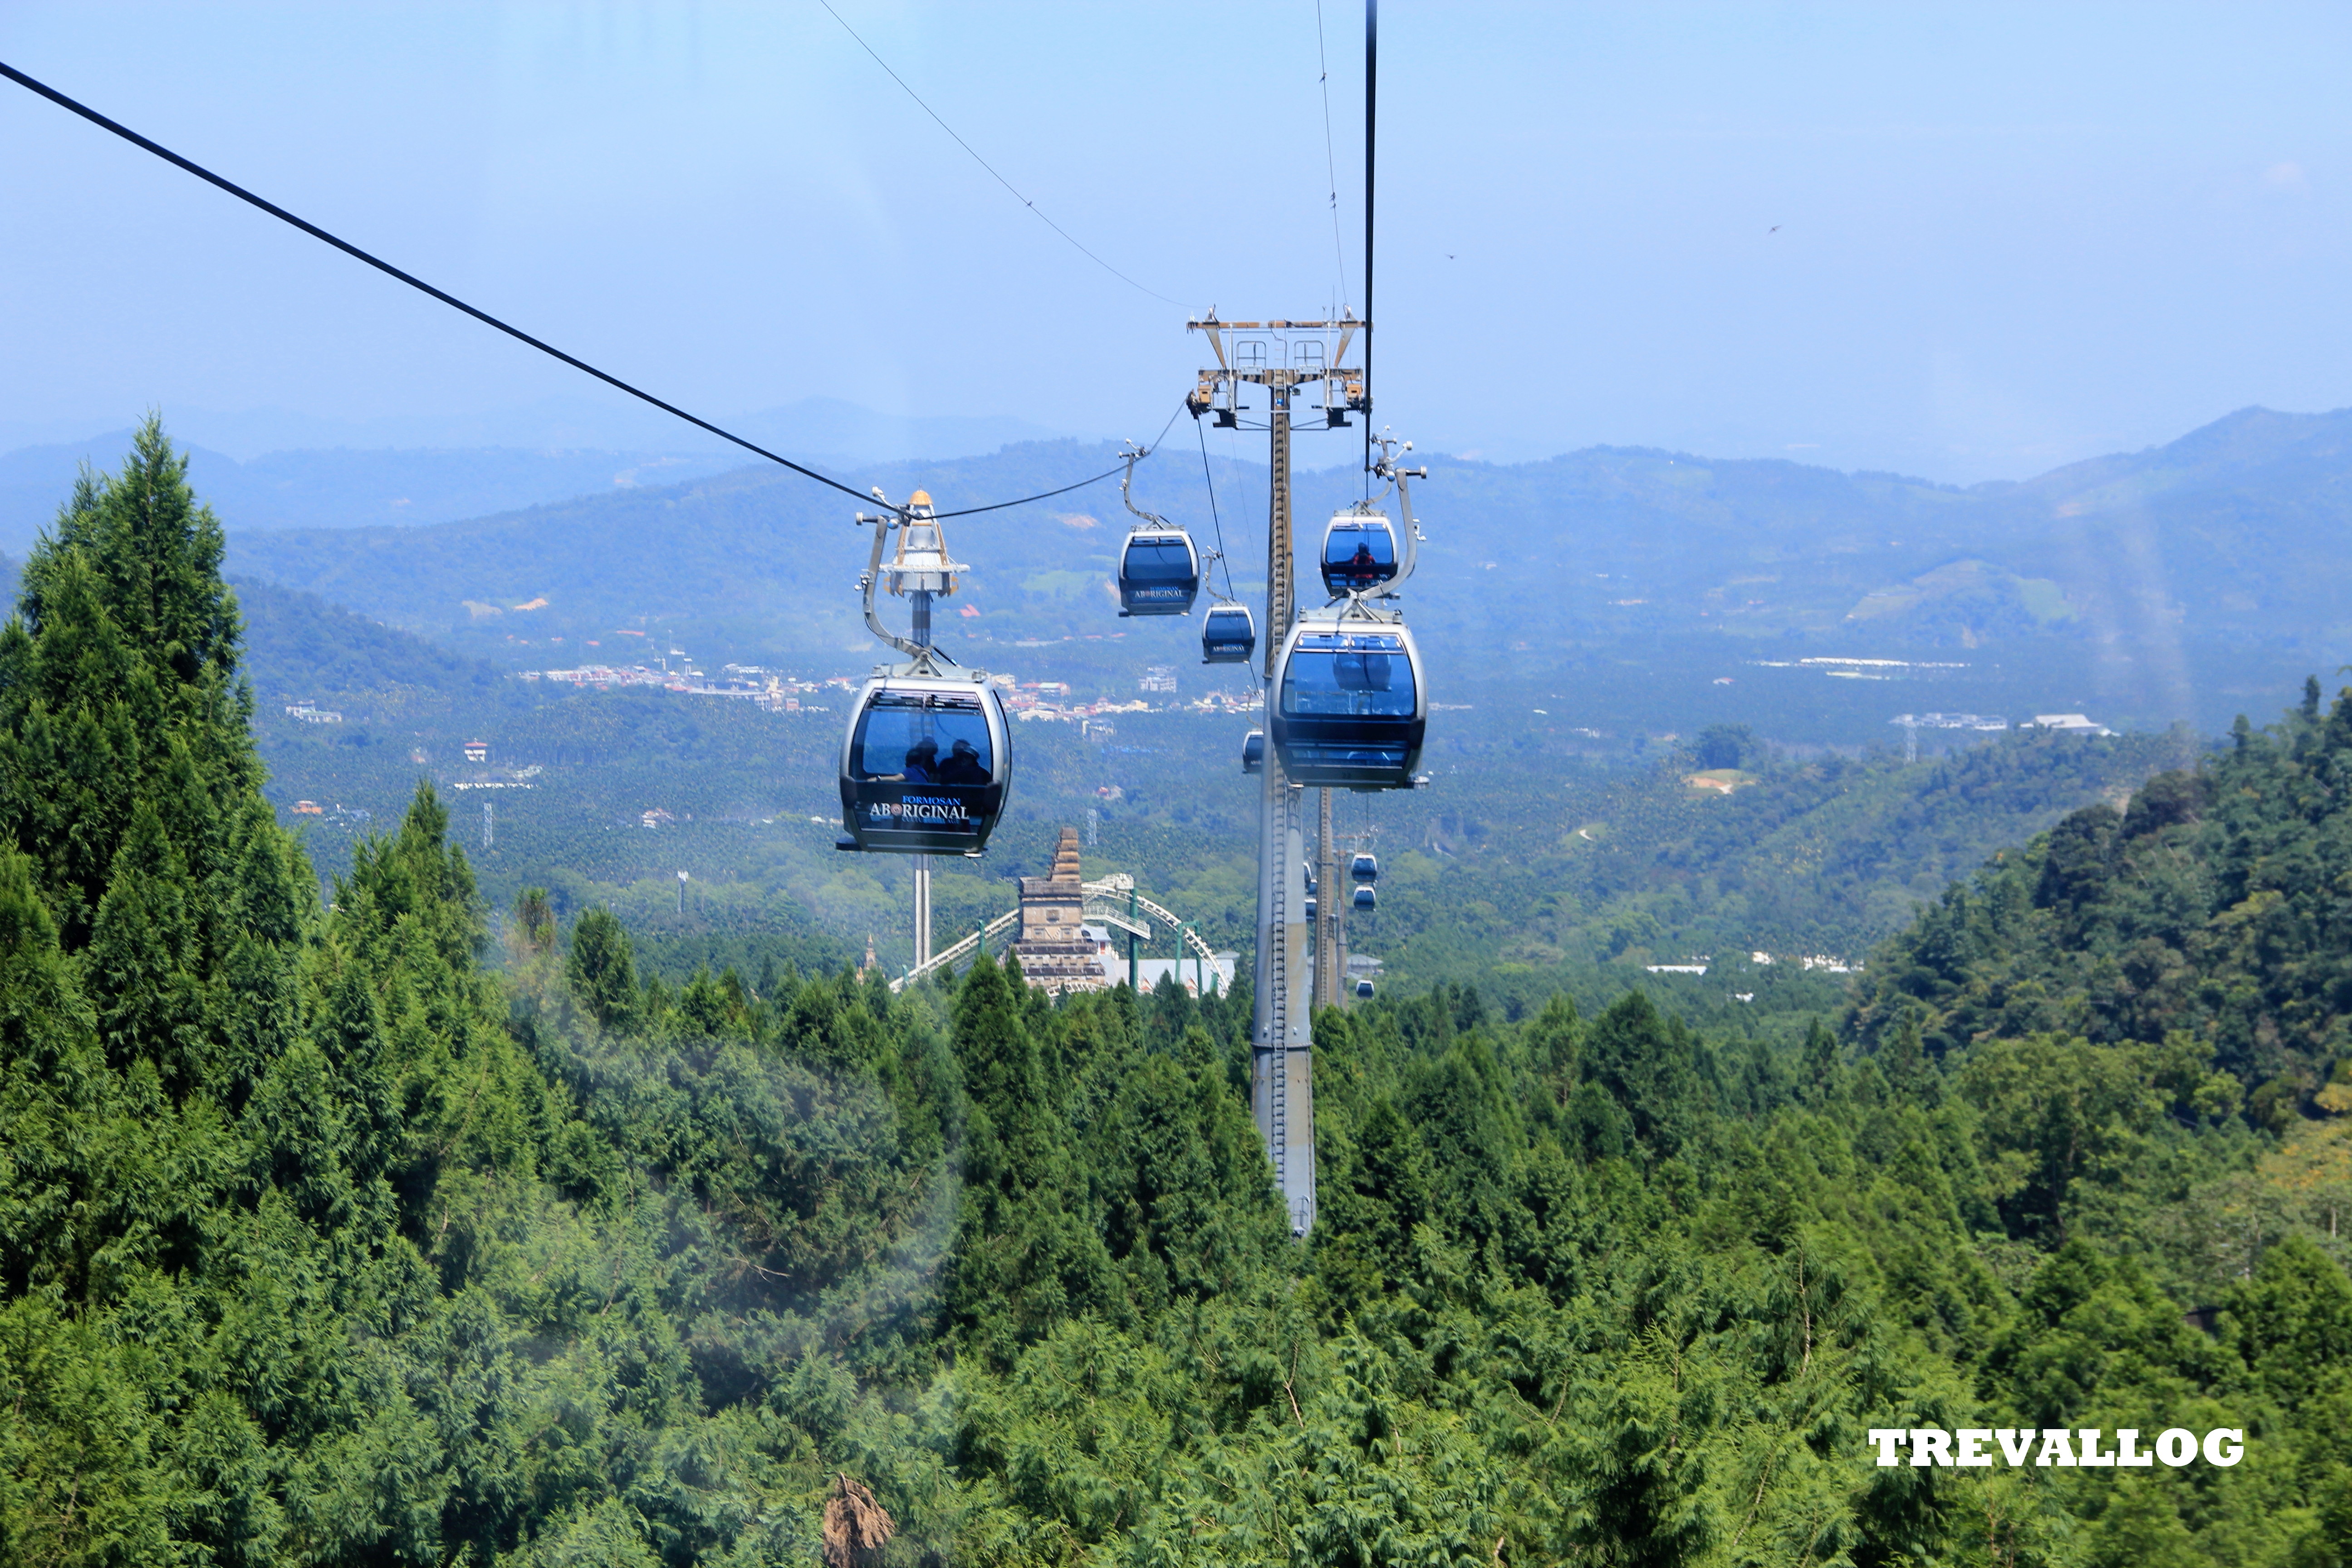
1253, 751
1366, 900
927, 760
1228, 635
1360, 553
1364, 555
1158, 573
925, 764
1309, 905
1363, 990
1365, 866
1159, 568
1350, 705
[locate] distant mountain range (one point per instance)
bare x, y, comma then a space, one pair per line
2239, 531
269, 469
340, 489
2228, 547
821, 426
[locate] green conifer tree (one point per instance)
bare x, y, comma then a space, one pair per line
605, 971
117, 682
1029, 1254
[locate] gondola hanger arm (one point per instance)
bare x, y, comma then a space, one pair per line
1389, 468
882, 525
1131, 455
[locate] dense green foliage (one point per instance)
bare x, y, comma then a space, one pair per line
2195, 941
323, 1241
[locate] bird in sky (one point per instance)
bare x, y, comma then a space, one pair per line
1774, 229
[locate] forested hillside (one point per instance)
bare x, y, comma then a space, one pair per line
299, 647
333, 1233
2199, 932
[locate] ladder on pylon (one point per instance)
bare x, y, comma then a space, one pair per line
1277, 1114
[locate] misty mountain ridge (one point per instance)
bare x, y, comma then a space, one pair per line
341, 488
269, 469
2237, 532
821, 426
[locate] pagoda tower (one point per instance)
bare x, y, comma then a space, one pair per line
1054, 951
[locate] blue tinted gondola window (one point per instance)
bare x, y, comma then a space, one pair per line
1366, 554
1343, 676
1158, 560
923, 737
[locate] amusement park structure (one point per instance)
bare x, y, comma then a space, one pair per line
1045, 927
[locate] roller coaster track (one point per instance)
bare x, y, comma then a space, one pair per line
1098, 896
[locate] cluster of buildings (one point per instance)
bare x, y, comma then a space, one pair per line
338, 811
1863, 669
776, 693
1807, 961
2063, 723
1051, 699
1083, 714
763, 688
1992, 723
2069, 724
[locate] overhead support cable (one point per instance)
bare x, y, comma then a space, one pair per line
1066, 489
1223, 561
984, 163
1371, 102
1330, 158
348, 248
1041, 495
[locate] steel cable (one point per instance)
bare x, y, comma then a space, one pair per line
315, 232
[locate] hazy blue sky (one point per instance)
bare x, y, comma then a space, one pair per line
2008, 236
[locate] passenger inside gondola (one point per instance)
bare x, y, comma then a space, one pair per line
900, 736
1357, 556
963, 765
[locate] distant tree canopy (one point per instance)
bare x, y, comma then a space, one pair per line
2204, 916
1724, 746
330, 1233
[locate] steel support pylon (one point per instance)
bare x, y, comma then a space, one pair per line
1331, 910
1282, 1079
1282, 1089
922, 869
